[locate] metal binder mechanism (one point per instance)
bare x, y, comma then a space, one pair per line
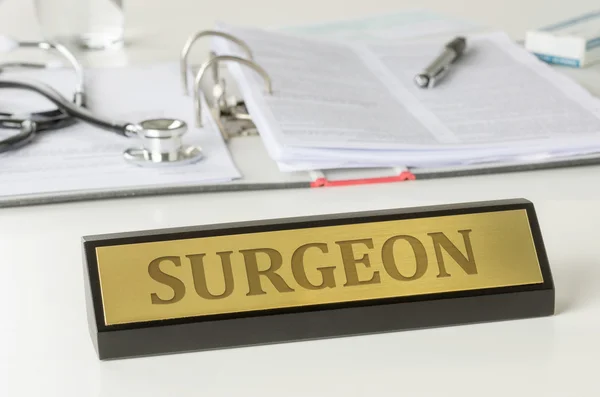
225, 122
230, 112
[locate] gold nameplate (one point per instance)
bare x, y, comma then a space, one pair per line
282, 280
310, 266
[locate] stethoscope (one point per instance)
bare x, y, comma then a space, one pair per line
38, 121
161, 138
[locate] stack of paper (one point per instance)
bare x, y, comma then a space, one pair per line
340, 104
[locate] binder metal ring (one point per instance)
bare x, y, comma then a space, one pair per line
195, 37
216, 60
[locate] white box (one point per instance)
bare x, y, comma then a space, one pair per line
574, 42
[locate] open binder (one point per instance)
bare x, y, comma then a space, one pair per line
247, 149
243, 138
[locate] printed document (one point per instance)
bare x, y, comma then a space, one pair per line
336, 102
83, 158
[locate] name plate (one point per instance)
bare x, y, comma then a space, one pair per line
218, 286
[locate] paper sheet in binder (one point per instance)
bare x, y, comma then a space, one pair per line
337, 104
389, 26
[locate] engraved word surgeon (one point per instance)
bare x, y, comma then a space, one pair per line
356, 268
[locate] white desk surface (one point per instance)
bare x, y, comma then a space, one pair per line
44, 344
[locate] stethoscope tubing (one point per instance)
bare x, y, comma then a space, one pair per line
26, 133
67, 106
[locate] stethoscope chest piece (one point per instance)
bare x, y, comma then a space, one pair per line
162, 144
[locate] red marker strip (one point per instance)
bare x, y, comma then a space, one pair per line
404, 176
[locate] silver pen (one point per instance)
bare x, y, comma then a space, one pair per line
440, 65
